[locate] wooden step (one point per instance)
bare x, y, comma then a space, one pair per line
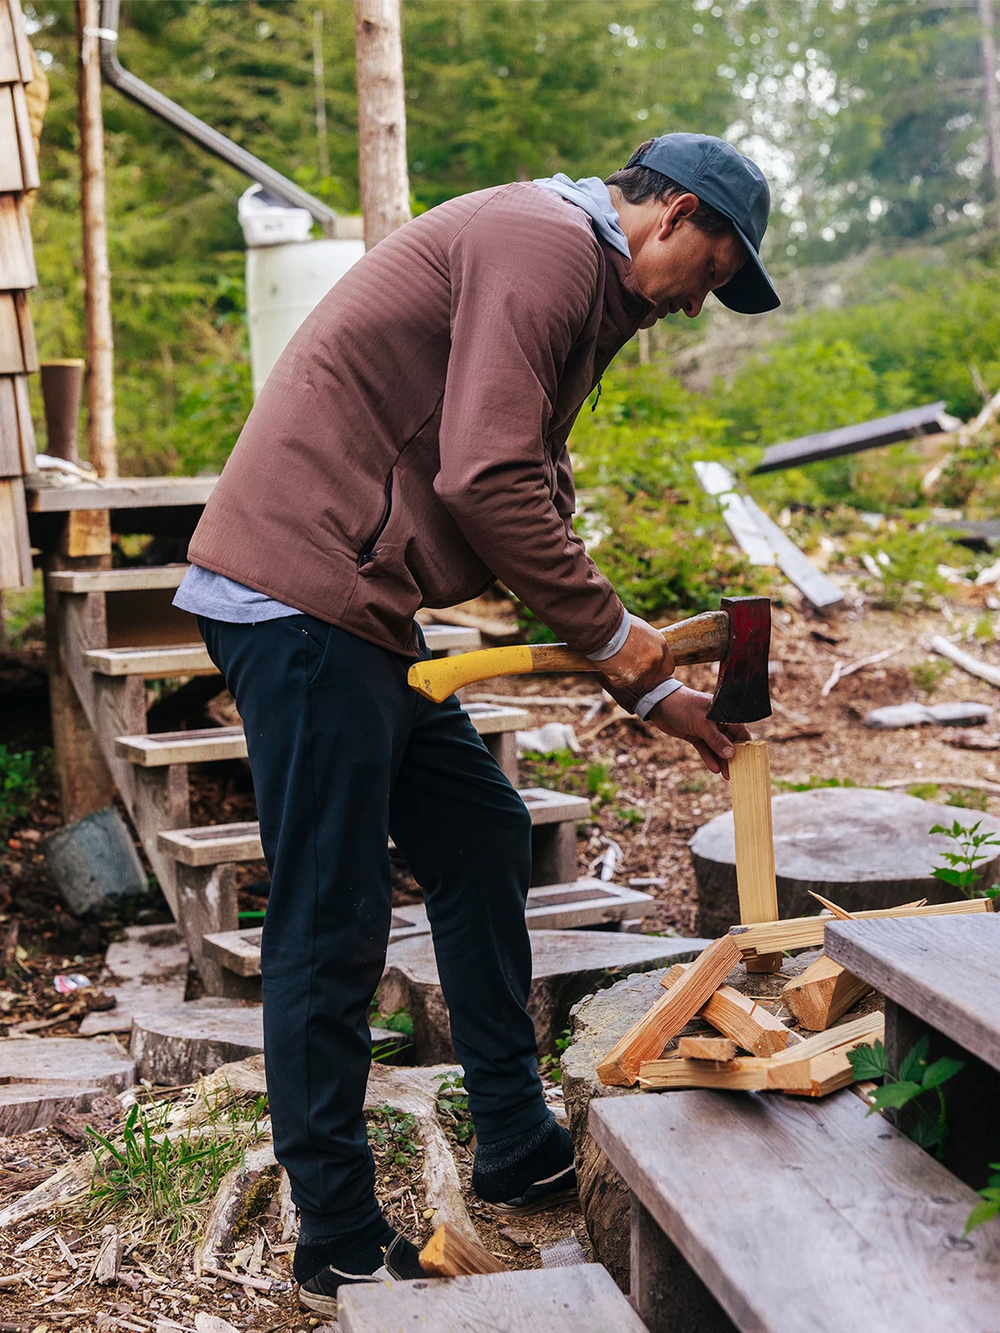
215, 743
224, 844
141, 579
586, 902
579, 1299
863, 1227
189, 659
443, 638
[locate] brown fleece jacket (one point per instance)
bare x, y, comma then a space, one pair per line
410, 444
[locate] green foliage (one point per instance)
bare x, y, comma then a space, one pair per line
903, 567
453, 1108
393, 1130
165, 1177
813, 783
927, 675
963, 866
550, 1066
916, 1078
967, 799
18, 785
562, 770
990, 1206
924, 791
23, 611
400, 1021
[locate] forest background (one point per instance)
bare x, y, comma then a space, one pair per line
870, 118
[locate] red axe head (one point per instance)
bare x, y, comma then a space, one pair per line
741, 692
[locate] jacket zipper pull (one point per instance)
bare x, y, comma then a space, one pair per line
593, 405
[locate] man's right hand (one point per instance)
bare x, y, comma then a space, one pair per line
644, 660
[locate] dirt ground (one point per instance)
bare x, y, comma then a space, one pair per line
650, 795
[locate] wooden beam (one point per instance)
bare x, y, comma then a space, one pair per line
747, 1074
646, 1039
750, 785
449, 1254
706, 1048
102, 444
806, 932
822, 993
752, 1027
929, 420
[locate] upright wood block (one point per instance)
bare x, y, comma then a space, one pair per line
87, 533
750, 780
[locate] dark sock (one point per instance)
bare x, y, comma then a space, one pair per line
358, 1251
504, 1170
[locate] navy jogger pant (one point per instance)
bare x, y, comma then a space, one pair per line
344, 754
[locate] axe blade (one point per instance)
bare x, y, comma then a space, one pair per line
742, 692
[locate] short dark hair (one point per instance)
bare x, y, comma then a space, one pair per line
639, 184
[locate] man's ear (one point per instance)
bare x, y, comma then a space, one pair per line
679, 209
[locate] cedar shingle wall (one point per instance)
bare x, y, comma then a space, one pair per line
18, 356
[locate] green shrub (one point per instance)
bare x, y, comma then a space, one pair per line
18, 785
902, 567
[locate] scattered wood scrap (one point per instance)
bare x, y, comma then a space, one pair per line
806, 932
738, 1017
450, 1254
929, 420
945, 648
706, 1048
646, 1039
843, 669
823, 993
745, 1074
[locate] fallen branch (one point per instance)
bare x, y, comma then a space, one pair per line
840, 671
257, 1283
945, 648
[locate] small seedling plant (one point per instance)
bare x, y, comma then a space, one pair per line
963, 866
990, 1205
453, 1108
917, 1079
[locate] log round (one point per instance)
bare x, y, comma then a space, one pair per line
858, 846
178, 1045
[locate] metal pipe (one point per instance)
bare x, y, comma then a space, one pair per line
196, 129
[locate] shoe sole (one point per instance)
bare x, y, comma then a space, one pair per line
539, 1206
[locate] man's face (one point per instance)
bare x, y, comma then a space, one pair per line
677, 264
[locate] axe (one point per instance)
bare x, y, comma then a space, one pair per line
737, 636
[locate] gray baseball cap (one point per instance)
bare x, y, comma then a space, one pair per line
735, 187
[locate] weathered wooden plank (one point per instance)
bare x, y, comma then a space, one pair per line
581, 1299
807, 932
123, 493
10, 435
717, 481
117, 580
944, 971
861, 1224
25, 140
17, 266
21, 41
26, 328
927, 420
10, 69
11, 175
15, 545
11, 351
817, 589
442, 638
185, 660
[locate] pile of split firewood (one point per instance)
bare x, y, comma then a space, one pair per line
776, 1057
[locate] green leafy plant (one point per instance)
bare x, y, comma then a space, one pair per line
18, 784
967, 799
916, 1079
394, 1131
813, 783
550, 1066
166, 1177
990, 1205
927, 675
453, 1108
964, 865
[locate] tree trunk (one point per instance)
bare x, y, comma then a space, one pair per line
97, 273
988, 49
385, 191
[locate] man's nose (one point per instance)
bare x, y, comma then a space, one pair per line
692, 306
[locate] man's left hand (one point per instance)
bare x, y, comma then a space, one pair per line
684, 714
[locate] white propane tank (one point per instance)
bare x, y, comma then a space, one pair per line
287, 274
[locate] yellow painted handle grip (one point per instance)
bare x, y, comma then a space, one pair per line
442, 676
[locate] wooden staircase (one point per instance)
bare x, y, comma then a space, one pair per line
116, 629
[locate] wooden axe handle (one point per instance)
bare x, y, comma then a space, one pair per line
703, 638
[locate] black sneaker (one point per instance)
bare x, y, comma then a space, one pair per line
400, 1260
548, 1193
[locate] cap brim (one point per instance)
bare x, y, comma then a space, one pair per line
751, 292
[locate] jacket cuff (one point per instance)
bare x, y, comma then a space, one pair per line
652, 697
614, 644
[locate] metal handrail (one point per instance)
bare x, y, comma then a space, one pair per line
196, 129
